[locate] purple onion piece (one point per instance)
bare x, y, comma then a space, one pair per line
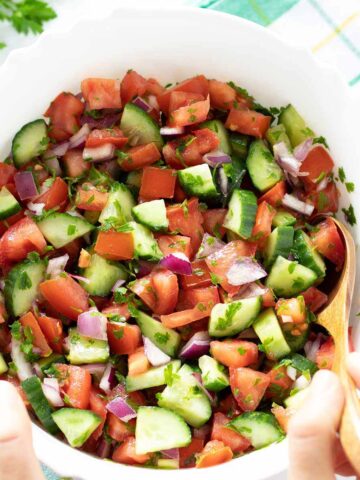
223, 181
287, 161
245, 271
58, 150
104, 448
79, 138
92, 324
216, 158
251, 290
79, 277
108, 379
121, 409
108, 120
155, 356
299, 206
172, 453
196, 346
302, 150
99, 154
209, 245
141, 103
168, 131
25, 185
119, 283
211, 396
177, 262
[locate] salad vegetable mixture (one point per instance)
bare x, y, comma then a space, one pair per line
162, 267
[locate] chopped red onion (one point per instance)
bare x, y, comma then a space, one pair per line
211, 396
177, 262
37, 370
99, 154
311, 347
152, 101
111, 167
172, 453
302, 382
107, 381
80, 136
58, 150
216, 157
79, 277
51, 389
291, 372
202, 432
53, 165
119, 283
251, 290
57, 265
107, 121
144, 268
121, 409
167, 131
198, 345
299, 206
36, 208
25, 185
96, 369
322, 184
103, 449
155, 356
23, 367
286, 318
302, 150
245, 271
223, 181
287, 161
92, 324
141, 103
209, 245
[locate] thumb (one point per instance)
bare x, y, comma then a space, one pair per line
17, 458
312, 431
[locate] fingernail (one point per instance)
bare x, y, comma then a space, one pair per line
323, 380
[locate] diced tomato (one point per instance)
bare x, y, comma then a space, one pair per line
4, 225
291, 307
174, 243
229, 406
143, 287
197, 84
76, 384
280, 383
318, 164
119, 430
224, 97
153, 87
115, 245
64, 113
75, 165
214, 453
84, 259
326, 200
126, 453
187, 454
56, 196
327, 240
274, 195
118, 310
5, 338
157, 183
314, 299
52, 328
262, 228
268, 299
101, 93
138, 362
39, 341
20, 239
220, 262
183, 99
65, 295
166, 287
200, 276
140, 157
282, 415
7, 173
194, 113
248, 387
123, 338
326, 354
97, 404
90, 198
214, 220
229, 437
132, 85
179, 319
234, 353
107, 135
248, 122
202, 298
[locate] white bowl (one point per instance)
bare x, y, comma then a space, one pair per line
173, 44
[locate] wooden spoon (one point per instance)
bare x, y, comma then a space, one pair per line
335, 318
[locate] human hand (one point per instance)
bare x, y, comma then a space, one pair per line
314, 447
17, 457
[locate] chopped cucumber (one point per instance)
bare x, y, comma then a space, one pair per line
154, 377
288, 278
231, 318
45, 363
278, 243
278, 134
260, 428
239, 144
263, 170
159, 429
21, 285
183, 396
240, 218
295, 125
268, 329
29, 142
62, 228
133, 180
145, 245
3, 365
102, 275
139, 127
77, 425
213, 374
164, 338
198, 181
86, 350
307, 255
283, 219
43, 410
297, 342
8, 204
296, 399
219, 128
152, 215
119, 205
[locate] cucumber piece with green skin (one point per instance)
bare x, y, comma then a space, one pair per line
278, 134
62, 228
220, 130
288, 278
167, 339
296, 399
21, 285
279, 242
119, 205
8, 204
240, 217
42, 408
29, 142
295, 126
152, 215
155, 377
134, 179
183, 396
228, 319
84, 350
303, 364
77, 425
198, 181
260, 428
140, 127
91, 217
307, 254
262, 167
102, 274
145, 245
239, 144
159, 429
45, 363
213, 374
283, 219
168, 463
268, 329
3, 365
296, 342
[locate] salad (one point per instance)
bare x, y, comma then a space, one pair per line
163, 254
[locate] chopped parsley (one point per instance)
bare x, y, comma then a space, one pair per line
350, 215
71, 229
24, 282
226, 321
162, 338
341, 173
321, 140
